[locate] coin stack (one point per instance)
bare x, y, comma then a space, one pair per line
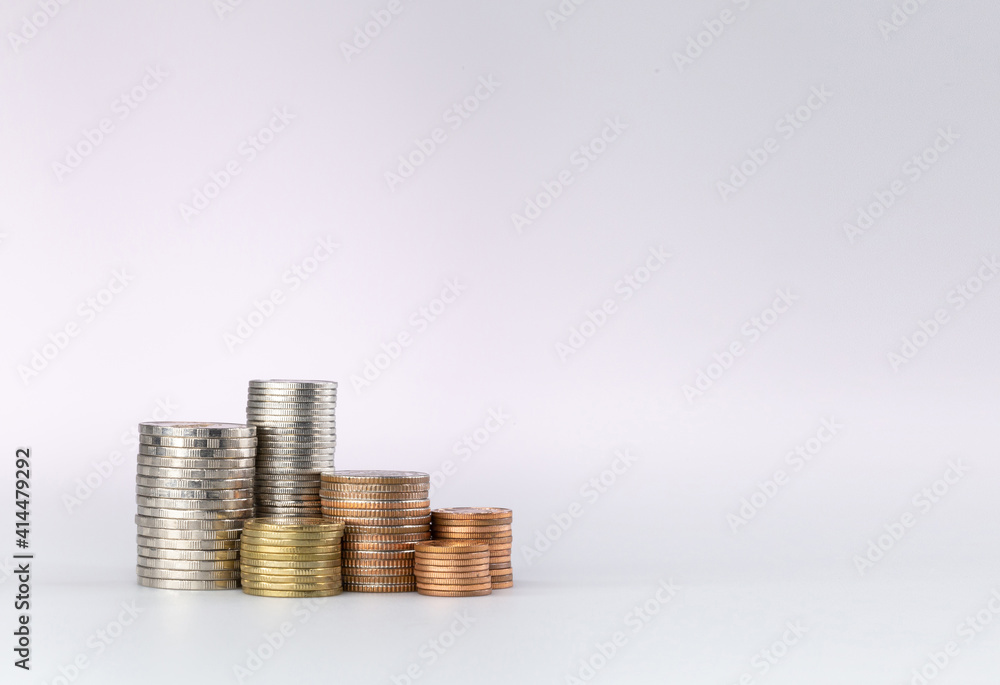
453, 568
296, 437
385, 514
489, 525
291, 557
194, 490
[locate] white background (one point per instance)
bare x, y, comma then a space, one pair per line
162, 340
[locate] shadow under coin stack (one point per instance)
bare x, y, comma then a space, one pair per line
385, 513
296, 438
194, 490
489, 525
453, 568
291, 557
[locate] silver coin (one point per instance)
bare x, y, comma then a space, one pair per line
286, 482
189, 524
189, 565
374, 488
203, 505
241, 493
190, 554
281, 445
300, 474
194, 474
165, 584
194, 483
177, 463
194, 453
258, 395
291, 384
295, 414
206, 514
292, 404
187, 429
225, 574
306, 462
175, 534
287, 490
282, 499
198, 443
270, 434
300, 451
171, 543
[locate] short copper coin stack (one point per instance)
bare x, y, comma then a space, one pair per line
385, 513
453, 568
488, 525
291, 557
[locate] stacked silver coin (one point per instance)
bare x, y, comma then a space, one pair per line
194, 490
296, 425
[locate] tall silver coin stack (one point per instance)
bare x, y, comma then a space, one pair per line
296, 425
194, 490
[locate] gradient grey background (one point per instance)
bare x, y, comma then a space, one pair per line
161, 341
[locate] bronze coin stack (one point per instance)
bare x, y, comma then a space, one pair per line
488, 525
385, 514
453, 568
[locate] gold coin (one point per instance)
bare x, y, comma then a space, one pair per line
305, 537
268, 556
285, 593
295, 587
279, 571
265, 564
473, 513
290, 547
449, 593
450, 547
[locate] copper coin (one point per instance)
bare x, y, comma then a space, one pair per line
439, 593
473, 512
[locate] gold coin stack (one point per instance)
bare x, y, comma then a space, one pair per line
291, 557
385, 513
453, 568
488, 525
